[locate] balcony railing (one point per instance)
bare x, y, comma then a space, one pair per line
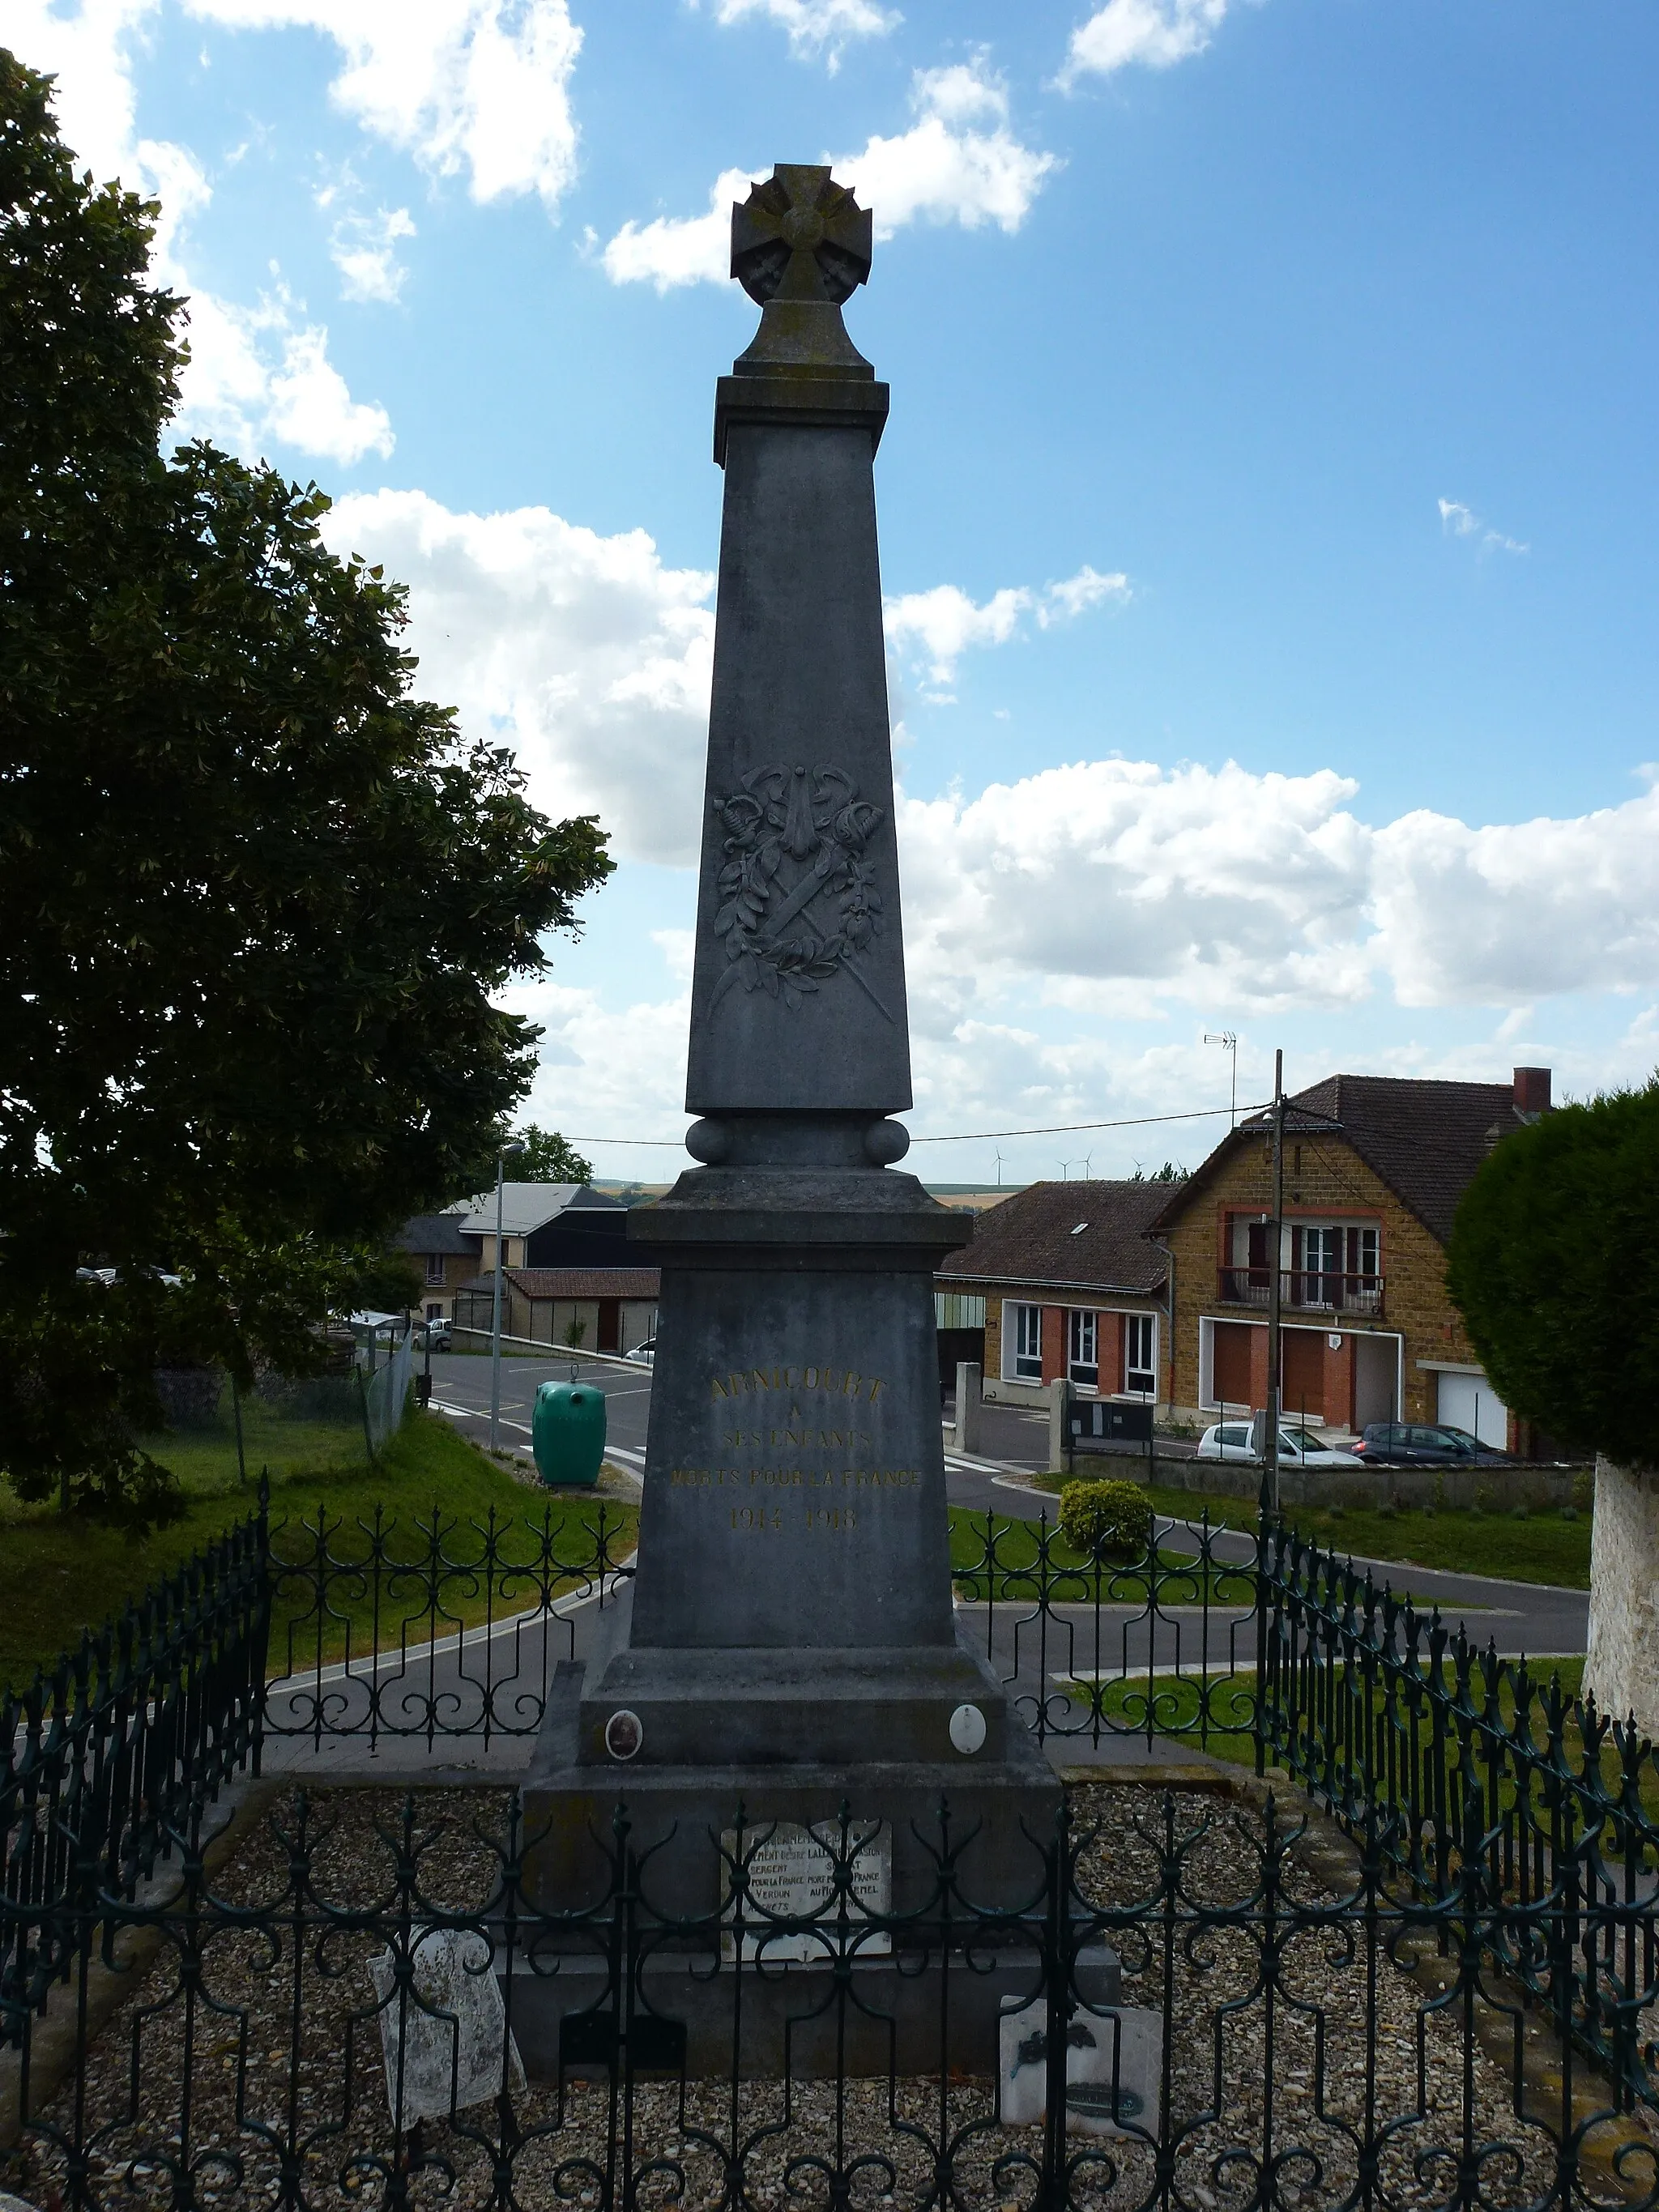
1305, 1289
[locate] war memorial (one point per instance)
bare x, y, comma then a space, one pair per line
787, 1648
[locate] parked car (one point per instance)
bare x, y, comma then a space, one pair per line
433, 1335
1231, 1440
645, 1354
1412, 1443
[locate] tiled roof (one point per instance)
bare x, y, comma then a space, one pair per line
433, 1232
1075, 1235
528, 1207
1424, 1139
575, 1283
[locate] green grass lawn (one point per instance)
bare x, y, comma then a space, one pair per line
1071, 1580
1542, 1547
60, 1575
205, 1461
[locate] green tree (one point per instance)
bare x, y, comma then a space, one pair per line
548, 1158
1554, 1265
255, 896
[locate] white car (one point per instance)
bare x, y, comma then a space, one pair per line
645, 1354
1231, 1440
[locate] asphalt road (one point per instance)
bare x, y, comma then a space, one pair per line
1516, 1617
414, 1709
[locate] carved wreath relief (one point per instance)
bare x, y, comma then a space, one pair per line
798, 896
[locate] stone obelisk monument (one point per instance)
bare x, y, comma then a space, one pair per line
789, 1642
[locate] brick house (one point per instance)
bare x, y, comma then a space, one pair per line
446, 1256
615, 1308
1060, 1280
1374, 1169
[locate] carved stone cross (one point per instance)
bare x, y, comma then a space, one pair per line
800, 236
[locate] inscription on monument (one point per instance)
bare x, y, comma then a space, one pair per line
791, 1876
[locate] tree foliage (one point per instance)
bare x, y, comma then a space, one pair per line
1554, 1265
255, 896
548, 1158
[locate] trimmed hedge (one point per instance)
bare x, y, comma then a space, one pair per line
1106, 1518
1554, 1265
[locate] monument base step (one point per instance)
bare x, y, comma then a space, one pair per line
711, 2019
934, 1705
994, 1817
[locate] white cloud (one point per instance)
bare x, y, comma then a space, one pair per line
679, 949
307, 404
364, 249
1156, 34
944, 169
585, 654
254, 373
607, 1070
692, 250
474, 86
816, 26
1457, 520
1111, 885
87, 52
944, 623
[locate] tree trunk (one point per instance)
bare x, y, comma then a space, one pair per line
1621, 1669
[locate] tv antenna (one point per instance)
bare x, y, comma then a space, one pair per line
1228, 1040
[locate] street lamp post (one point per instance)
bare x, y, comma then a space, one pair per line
509, 1151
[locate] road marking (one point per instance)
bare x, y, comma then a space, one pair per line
433, 1649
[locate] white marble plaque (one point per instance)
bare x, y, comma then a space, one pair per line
1114, 2063
791, 1874
462, 2052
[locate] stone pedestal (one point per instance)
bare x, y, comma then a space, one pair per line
788, 1647
1622, 1663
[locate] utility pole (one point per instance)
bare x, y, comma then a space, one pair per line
513, 1151
1275, 1285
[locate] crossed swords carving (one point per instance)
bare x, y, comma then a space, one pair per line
816, 817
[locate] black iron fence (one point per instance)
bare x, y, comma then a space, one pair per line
102, 1760
1502, 1830
437, 1627
1171, 2001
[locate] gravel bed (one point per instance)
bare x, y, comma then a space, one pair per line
238, 2115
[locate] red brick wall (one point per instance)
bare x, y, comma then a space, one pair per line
1054, 1343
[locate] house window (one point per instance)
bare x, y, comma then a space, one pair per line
434, 1267
1083, 1347
1140, 1354
1363, 1252
1322, 1260
1023, 1336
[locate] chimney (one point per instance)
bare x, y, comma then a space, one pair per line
1532, 1090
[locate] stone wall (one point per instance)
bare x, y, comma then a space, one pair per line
1328, 1177
1621, 1668
1495, 1490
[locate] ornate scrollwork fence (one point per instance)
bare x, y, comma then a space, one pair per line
1177, 2001
1497, 1825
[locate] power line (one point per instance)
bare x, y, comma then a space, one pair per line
973, 1136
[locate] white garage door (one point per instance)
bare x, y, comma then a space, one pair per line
1468, 1401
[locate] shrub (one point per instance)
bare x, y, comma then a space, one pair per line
1097, 1518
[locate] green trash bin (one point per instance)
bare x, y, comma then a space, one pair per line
567, 1431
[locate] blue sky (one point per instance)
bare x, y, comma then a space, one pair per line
1268, 503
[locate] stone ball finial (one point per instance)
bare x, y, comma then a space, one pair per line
800, 236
